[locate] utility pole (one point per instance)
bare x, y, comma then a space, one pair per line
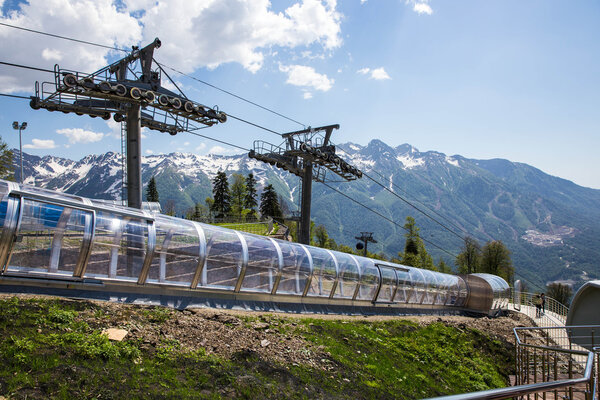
20, 128
364, 237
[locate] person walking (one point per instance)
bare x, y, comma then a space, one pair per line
543, 306
537, 301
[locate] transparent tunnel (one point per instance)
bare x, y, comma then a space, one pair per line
47, 234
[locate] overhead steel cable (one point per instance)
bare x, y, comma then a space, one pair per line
391, 191
234, 95
217, 140
386, 218
62, 37
413, 206
26, 67
15, 96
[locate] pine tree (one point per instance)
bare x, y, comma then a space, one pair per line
6, 162
415, 254
238, 195
222, 200
269, 206
152, 191
250, 198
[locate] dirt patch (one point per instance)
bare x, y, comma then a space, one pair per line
266, 336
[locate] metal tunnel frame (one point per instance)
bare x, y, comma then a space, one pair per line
69, 244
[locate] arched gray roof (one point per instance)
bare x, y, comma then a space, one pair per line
584, 310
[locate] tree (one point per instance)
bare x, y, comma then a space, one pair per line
559, 292
250, 197
443, 267
152, 191
6, 162
269, 206
209, 204
321, 236
415, 254
495, 259
237, 194
170, 207
470, 257
222, 200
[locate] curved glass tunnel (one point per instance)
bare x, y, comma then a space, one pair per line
57, 236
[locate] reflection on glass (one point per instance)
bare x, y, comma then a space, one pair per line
296, 268
324, 272
349, 276
177, 252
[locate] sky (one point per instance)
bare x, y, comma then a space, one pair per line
484, 79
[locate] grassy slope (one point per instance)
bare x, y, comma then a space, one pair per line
53, 348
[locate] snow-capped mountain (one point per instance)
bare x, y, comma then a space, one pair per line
551, 225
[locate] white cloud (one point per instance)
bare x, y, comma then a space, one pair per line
78, 135
52, 55
307, 95
99, 21
201, 147
421, 6
194, 34
301, 75
213, 32
220, 150
149, 152
40, 144
378, 74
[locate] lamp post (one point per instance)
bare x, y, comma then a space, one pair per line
20, 128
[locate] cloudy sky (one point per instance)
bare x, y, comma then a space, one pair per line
481, 78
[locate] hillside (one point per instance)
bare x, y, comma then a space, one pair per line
551, 225
54, 348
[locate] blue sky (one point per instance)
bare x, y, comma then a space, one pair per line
484, 79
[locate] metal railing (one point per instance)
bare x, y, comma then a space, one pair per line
549, 365
554, 313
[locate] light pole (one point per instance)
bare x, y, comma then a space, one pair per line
20, 128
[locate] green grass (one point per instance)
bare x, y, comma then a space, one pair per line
52, 348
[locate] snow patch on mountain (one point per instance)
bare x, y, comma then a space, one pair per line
410, 162
452, 161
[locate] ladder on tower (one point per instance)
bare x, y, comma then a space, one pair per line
124, 163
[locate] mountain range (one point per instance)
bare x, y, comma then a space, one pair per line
550, 225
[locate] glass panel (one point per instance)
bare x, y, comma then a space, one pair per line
3, 202
177, 251
388, 284
223, 258
349, 276
369, 279
296, 268
105, 250
263, 264
324, 272
417, 283
429, 287
119, 247
405, 289
51, 237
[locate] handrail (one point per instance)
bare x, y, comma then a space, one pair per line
513, 391
522, 390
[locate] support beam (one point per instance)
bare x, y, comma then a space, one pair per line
305, 204
134, 158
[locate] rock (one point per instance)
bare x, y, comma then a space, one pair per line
264, 343
260, 325
115, 334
